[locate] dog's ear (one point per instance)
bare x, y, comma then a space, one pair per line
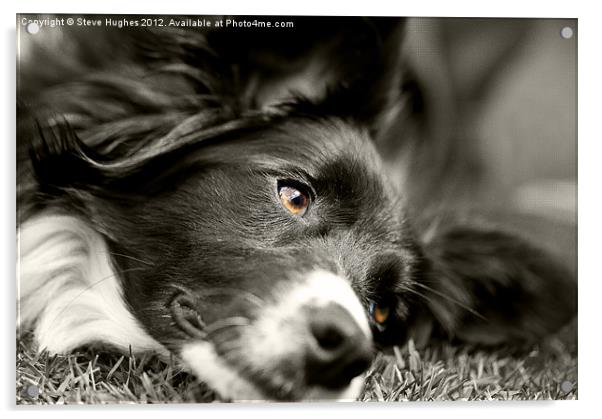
489, 287
351, 60
54, 163
59, 159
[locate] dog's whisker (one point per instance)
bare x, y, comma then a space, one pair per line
131, 257
447, 297
211, 292
180, 288
221, 324
229, 346
430, 301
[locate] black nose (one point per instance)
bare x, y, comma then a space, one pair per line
339, 350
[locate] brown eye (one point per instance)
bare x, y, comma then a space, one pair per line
379, 313
295, 201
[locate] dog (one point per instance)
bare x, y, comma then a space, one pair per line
219, 196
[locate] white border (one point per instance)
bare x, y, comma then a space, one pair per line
590, 154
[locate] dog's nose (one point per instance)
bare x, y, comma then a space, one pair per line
339, 350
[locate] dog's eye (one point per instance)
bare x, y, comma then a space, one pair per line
379, 314
294, 200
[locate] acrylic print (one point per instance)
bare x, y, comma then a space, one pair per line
293, 209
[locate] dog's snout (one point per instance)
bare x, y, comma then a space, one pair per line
338, 351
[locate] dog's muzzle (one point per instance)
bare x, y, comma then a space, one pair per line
338, 350
310, 341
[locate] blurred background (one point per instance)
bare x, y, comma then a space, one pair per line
511, 92
515, 85
498, 122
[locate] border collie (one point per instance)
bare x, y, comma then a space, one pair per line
218, 196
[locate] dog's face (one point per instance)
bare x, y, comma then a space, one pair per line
274, 259
275, 265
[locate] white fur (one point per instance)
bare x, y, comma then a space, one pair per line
321, 288
69, 291
209, 367
280, 330
279, 335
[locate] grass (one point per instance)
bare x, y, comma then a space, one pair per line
440, 372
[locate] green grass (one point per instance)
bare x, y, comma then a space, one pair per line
441, 372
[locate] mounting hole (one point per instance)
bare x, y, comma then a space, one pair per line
566, 32
32, 28
33, 391
566, 387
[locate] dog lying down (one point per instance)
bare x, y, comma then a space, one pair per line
219, 197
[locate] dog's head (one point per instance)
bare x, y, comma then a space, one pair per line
259, 239
253, 232
275, 263
271, 257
